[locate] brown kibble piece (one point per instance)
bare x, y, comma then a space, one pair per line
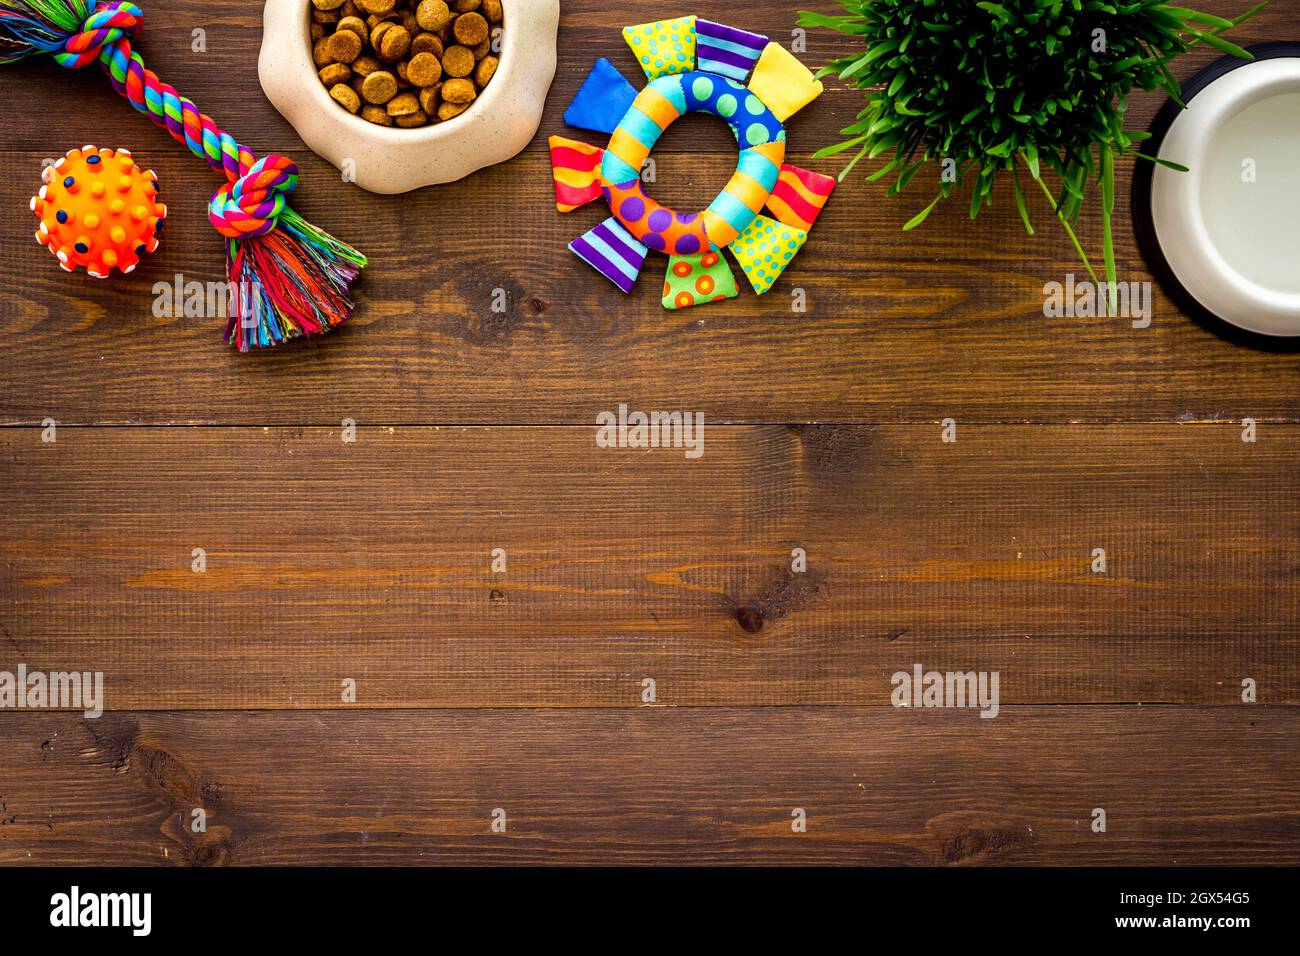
449, 110
403, 104
346, 97
356, 25
426, 43
424, 70
377, 7
324, 16
317, 31
379, 87
320, 52
458, 91
336, 73
458, 61
433, 14
376, 114
327, 4
486, 69
350, 9
394, 44
411, 120
344, 47
377, 32
429, 98
482, 49
365, 64
465, 6
470, 29
492, 10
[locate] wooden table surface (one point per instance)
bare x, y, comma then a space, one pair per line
371, 560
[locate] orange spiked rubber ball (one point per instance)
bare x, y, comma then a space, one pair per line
99, 210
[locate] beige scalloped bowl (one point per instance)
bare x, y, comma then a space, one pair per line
383, 159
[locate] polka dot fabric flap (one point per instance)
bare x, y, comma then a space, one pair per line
663, 48
692, 66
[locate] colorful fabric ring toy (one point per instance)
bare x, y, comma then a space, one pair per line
293, 278
99, 210
694, 66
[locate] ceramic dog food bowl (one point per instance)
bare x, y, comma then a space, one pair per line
1223, 237
384, 159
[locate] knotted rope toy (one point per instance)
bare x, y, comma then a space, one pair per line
293, 278
694, 66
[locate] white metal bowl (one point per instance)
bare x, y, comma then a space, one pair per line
383, 159
1229, 230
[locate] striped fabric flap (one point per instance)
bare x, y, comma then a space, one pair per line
799, 196
576, 169
727, 50
613, 252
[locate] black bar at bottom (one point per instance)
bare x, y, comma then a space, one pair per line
332, 906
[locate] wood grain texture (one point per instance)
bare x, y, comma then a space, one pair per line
944, 322
1187, 785
522, 690
328, 560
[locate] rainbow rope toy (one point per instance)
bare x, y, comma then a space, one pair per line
293, 278
694, 66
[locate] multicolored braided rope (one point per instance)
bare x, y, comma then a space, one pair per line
293, 278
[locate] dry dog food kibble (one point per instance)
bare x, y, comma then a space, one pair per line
379, 87
458, 91
424, 70
343, 47
458, 61
432, 15
470, 29
346, 97
405, 63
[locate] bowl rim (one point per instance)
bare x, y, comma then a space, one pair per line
1183, 195
1153, 186
391, 161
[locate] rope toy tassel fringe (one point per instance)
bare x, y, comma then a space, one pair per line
291, 279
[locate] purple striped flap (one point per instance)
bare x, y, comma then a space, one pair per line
613, 252
727, 50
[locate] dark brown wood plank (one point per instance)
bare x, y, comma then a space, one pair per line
222, 79
933, 327
1179, 786
371, 560
944, 322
